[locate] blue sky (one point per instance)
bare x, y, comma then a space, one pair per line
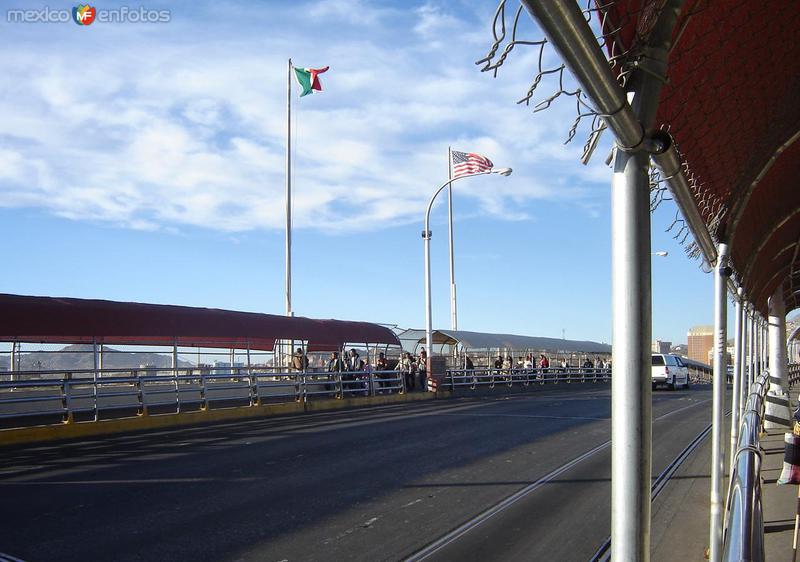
145, 162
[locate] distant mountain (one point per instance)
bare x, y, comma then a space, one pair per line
81, 356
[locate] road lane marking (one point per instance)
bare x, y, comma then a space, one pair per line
525, 416
504, 504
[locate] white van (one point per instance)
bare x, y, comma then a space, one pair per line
669, 370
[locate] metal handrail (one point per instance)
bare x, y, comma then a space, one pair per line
492, 376
744, 519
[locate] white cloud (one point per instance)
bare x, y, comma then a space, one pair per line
185, 127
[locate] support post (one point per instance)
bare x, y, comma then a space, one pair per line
96, 361
13, 361
426, 236
737, 378
631, 391
756, 345
777, 413
175, 375
631, 415
777, 340
721, 274
751, 346
742, 351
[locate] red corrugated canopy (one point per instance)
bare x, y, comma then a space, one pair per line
68, 320
731, 103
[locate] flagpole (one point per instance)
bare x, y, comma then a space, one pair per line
453, 303
289, 190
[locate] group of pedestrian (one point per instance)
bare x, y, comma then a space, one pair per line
414, 370
355, 371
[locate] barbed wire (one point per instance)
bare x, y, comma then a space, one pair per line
623, 60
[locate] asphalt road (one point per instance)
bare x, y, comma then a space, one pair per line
372, 484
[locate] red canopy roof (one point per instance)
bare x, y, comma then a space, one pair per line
731, 103
68, 320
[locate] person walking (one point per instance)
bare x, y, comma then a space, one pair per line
299, 360
335, 368
544, 365
405, 367
381, 366
354, 366
469, 371
422, 368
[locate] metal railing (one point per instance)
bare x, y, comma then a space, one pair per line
744, 520
475, 378
51, 397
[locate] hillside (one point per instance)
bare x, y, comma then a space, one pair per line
81, 357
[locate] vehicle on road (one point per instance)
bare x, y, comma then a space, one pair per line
669, 370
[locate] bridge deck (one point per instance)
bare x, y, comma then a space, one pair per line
681, 519
379, 483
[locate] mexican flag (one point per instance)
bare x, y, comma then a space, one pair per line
308, 78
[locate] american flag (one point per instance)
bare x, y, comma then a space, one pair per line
468, 163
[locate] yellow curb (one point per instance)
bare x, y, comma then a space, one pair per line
78, 430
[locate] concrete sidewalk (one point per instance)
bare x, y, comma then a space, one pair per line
680, 513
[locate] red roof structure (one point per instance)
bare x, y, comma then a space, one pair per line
731, 104
68, 320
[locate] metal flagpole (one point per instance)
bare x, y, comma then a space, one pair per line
289, 190
453, 303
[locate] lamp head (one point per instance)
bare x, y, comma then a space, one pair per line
661, 254
503, 171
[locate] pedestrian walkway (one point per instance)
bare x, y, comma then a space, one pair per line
681, 517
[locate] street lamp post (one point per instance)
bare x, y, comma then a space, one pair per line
426, 237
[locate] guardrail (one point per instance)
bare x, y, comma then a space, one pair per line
50, 397
483, 377
744, 520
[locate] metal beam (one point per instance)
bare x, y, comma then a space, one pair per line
669, 164
568, 31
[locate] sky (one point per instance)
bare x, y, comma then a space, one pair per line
146, 162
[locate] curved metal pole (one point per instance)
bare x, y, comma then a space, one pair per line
426, 237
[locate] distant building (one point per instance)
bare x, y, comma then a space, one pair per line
680, 349
660, 346
700, 342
